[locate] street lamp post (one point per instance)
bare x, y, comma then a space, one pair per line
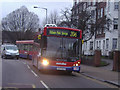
44, 9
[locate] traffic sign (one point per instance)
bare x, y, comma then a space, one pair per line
82, 41
39, 36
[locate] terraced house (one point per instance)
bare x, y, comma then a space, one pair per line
105, 39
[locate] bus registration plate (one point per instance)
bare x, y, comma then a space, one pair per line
76, 68
60, 68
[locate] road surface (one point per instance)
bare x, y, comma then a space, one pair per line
21, 74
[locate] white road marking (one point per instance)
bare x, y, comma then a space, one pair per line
45, 85
28, 66
24, 63
34, 73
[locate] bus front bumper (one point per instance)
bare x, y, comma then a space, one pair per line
60, 68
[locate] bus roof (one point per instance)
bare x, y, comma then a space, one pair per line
64, 28
25, 42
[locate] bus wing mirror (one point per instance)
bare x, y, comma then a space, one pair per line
4, 49
44, 42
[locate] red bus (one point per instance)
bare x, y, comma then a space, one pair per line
59, 49
27, 48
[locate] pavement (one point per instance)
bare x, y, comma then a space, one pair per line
110, 62
104, 73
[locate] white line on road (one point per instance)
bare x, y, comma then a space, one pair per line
34, 73
45, 85
24, 63
28, 66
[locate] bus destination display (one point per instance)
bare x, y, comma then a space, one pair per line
61, 32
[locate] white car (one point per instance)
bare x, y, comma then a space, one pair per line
9, 51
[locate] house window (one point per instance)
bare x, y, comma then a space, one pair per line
91, 45
98, 13
107, 43
100, 31
114, 44
89, 3
84, 6
101, 12
99, 44
115, 26
115, 21
86, 45
116, 5
92, 13
103, 44
94, 2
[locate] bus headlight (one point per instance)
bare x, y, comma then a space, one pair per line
76, 64
45, 62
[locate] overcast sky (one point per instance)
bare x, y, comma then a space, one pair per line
7, 6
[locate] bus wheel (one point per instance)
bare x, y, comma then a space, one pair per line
4, 57
1, 56
28, 56
78, 71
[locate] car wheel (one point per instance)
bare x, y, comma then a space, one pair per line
4, 57
17, 57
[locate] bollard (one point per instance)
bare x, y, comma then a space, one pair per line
97, 58
116, 61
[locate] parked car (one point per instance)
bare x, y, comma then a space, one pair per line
9, 51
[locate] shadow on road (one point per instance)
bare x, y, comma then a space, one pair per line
54, 72
10, 59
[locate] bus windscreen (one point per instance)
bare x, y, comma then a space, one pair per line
60, 47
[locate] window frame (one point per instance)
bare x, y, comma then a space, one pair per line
107, 43
91, 45
114, 43
116, 6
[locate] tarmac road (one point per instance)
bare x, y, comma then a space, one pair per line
20, 74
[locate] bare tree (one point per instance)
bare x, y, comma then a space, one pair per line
85, 22
22, 21
66, 18
53, 18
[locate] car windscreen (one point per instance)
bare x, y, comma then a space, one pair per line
11, 48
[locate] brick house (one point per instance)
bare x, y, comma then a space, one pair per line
106, 41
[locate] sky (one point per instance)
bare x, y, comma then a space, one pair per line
7, 6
